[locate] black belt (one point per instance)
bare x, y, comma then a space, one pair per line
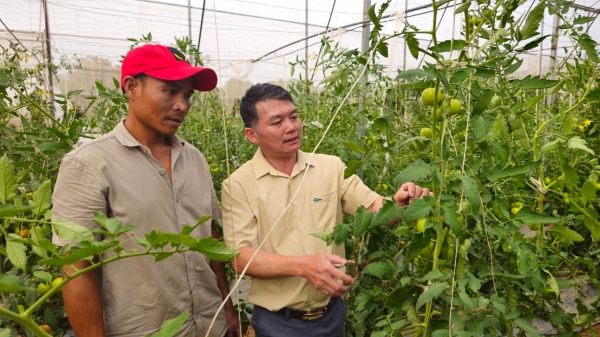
307, 315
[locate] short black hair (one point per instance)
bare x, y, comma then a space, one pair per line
258, 93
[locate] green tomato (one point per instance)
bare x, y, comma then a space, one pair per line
597, 186
548, 181
439, 114
550, 293
56, 282
426, 132
420, 227
419, 144
430, 97
514, 210
455, 106
426, 252
43, 288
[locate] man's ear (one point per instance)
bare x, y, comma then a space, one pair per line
252, 135
130, 85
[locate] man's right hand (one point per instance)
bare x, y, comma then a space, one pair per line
320, 271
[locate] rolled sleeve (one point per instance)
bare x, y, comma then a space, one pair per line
354, 193
239, 223
78, 195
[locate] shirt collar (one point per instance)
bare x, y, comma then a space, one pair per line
126, 139
263, 167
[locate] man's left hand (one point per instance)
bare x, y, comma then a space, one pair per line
233, 323
409, 191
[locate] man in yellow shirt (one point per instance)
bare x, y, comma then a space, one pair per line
273, 203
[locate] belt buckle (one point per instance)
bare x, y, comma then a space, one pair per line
314, 315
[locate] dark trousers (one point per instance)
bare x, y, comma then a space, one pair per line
270, 324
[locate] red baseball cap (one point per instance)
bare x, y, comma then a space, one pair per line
166, 63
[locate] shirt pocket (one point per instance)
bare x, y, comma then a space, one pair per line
324, 209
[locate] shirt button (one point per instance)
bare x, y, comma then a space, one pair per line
308, 251
162, 172
301, 227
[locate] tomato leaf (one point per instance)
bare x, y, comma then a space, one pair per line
565, 234
578, 143
8, 182
16, 251
171, 326
418, 243
327, 237
354, 147
452, 219
570, 174
419, 208
373, 17
72, 231
526, 326
12, 283
535, 82
390, 211
589, 45
432, 292
532, 218
10, 210
532, 23
513, 171
111, 224
379, 269
413, 45
415, 172
42, 199
362, 221
552, 146
448, 45
38, 235
340, 233
471, 190
215, 250
533, 44
589, 191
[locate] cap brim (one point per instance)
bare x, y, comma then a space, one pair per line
205, 79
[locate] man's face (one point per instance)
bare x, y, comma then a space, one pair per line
279, 129
160, 106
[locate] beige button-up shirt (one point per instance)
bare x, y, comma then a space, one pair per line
115, 174
255, 197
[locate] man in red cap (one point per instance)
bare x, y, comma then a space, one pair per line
142, 173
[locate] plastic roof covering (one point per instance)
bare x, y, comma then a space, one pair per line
241, 29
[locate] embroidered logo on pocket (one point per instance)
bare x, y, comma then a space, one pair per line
317, 199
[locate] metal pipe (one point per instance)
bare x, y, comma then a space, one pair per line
49, 51
332, 29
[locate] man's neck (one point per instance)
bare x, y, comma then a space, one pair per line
155, 142
284, 164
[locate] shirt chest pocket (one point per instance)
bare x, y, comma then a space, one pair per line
324, 209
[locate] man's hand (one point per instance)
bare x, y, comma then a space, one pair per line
323, 276
233, 323
409, 191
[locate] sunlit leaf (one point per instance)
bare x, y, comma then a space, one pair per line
16, 252
8, 181
42, 199
171, 326
327, 237
432, 292
362, 221
71, 231
513, 171
533, 218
